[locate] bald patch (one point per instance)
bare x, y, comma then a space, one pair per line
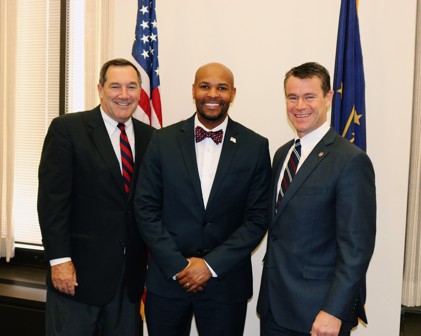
214, 67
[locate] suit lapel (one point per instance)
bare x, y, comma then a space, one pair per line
227, 155
312, 161
277, 166
140, 147
186, 142
101, 139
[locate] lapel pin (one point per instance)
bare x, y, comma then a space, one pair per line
321, 154
234, 140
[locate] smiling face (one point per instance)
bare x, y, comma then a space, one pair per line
121, 92
306, 105
213, 91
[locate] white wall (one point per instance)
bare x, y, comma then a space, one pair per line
260, 41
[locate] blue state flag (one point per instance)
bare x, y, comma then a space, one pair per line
348, 107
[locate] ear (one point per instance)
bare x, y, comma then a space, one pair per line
193, 91
100, 93
233, 92
329, 97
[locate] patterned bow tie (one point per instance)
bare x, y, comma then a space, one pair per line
200, 134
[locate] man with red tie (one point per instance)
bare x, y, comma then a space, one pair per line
87, 174
201, 207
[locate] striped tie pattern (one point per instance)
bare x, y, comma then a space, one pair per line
126, 157
290, 170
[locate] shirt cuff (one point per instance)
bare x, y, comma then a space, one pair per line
54, 262
214, 275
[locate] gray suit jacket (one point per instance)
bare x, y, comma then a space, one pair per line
322, 238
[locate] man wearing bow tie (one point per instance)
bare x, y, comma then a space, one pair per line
201, 207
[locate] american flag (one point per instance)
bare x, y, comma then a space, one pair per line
145, 52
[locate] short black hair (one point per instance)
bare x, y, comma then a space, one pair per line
117, 62
310, 70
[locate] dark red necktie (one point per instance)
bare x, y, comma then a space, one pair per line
290, 171
126, 157
200, 134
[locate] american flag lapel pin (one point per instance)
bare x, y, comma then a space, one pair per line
234, 140
321, 154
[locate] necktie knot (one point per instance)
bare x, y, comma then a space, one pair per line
297, 149
122, 127
200, 134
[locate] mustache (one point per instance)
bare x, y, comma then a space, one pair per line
213, 101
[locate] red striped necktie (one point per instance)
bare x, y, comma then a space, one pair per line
290, 171
126, 157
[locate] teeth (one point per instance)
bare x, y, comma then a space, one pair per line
123, 104
210, 104
302, 115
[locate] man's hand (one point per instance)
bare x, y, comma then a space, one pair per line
64, 277
326, 325
195, 276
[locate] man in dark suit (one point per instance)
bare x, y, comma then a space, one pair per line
322, 219
85, 207
201, 207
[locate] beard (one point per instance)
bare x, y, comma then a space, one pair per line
214, 116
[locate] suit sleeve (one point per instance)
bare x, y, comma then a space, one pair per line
241, 243
148, 211
355, 231
54, 192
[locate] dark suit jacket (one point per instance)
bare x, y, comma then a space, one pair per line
84, 211
174, 223
321, 240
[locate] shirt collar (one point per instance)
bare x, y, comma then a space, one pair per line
311, 139
222, 126
110, 123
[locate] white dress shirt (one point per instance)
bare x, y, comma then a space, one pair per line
308, 142
207, 156
114, 134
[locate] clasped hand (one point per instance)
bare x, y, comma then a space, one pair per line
195, 276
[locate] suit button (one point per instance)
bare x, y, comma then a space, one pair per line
273, 237
199, 251
128, 211
267, 266
122, 243
205, 224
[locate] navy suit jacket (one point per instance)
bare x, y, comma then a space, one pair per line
322, 237
84, 211
174, 223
